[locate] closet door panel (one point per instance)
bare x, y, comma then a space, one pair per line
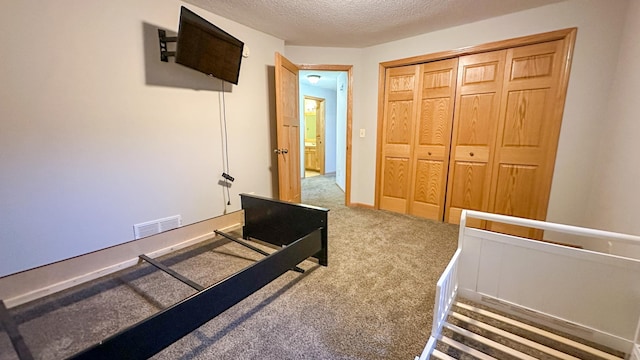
399, 120
523, 121
516, 186
528, 134
397, 129
479, 73
435, 122
478, 99
427, 191
395, 180
518, 195
476, 122
433, 138
470, 179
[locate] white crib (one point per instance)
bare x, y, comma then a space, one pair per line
585, 293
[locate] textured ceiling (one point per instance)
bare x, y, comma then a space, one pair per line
358, 23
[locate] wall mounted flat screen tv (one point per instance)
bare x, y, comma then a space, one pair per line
205, 47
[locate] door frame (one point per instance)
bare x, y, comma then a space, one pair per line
320, 131
349, 70
565, 34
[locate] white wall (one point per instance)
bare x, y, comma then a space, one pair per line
599, 23
88, 148
615, 196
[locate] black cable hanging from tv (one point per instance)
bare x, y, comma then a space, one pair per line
225, 164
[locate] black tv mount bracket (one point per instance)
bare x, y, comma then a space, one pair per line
164, 39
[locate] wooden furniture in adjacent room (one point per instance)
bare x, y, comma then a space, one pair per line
311, 158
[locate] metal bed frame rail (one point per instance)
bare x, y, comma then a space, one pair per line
301, 230
150, 336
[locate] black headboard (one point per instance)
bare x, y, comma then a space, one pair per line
281, 223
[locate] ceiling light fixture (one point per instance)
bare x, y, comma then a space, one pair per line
313, 79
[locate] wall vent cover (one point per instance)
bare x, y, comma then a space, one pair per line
156, 226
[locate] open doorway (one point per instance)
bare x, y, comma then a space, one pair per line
314, 136
324, 124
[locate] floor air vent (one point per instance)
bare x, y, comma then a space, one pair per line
156, 226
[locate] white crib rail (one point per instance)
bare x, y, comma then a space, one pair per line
548, 279
635, 352
428, 350
446, 290
543, 225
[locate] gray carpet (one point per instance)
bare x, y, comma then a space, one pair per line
373, 301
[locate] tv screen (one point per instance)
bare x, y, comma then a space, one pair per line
205, 47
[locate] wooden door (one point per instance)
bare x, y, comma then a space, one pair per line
400, 106
432, 138
288, 129
528, 131
475, 123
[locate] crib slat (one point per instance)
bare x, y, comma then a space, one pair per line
533, 329
488, 342
514, 337
467, 349
440, 355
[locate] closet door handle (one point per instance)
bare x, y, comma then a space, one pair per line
471, 153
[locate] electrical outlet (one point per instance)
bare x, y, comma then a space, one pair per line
361, 132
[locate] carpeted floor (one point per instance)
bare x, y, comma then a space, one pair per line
373, 301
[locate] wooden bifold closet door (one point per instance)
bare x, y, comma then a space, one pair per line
528, 131
416, 137
478, 132
479, 87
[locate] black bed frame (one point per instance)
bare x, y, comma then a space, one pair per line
301, 230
